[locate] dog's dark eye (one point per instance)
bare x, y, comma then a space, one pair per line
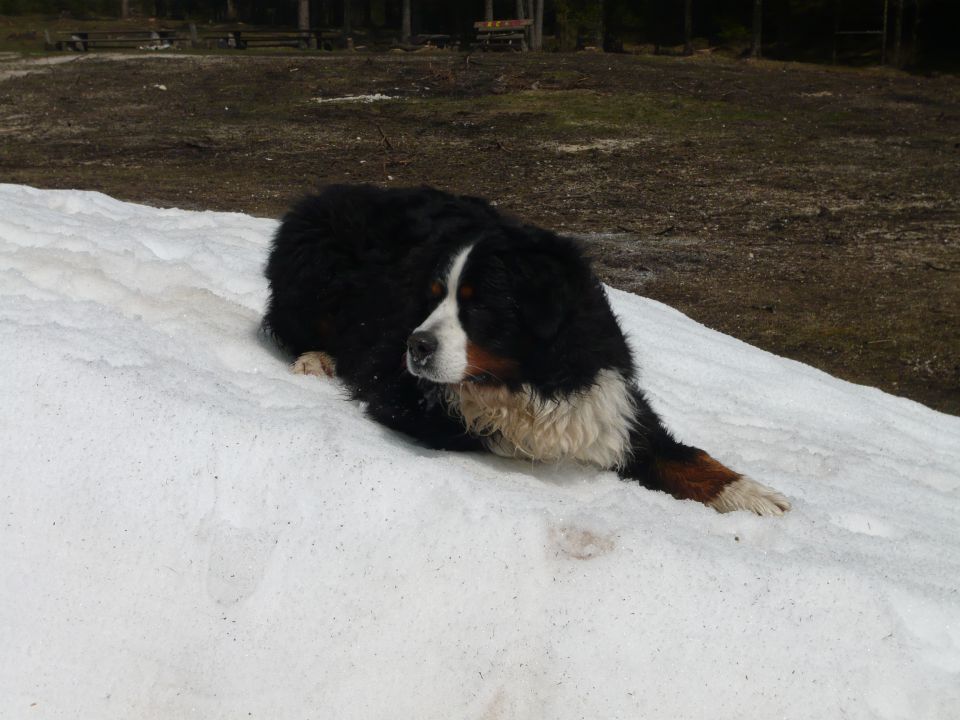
436, 289
466, 292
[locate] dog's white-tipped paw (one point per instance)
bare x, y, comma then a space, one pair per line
315, 363
746, 494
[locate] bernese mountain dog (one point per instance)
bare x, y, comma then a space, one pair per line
468, 330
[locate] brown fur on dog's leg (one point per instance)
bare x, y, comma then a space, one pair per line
708, 481
315, 363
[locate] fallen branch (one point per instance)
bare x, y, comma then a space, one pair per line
383, 137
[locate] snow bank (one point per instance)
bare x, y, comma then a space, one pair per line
367, 99
188, 530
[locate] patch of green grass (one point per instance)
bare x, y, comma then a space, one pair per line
561, 76
835, 117
577, 109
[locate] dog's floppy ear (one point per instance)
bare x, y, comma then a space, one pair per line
544, 294
543, 311
547, 275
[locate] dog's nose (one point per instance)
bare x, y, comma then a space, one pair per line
421, 345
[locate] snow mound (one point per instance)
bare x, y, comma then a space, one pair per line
189, 530
366, 99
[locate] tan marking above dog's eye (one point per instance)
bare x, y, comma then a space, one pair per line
436, 289
466, 292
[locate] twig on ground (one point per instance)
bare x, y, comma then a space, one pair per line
383, 137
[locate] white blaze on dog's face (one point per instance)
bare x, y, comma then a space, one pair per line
447, 362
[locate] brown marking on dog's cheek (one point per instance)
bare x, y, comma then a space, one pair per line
701, 478
481, 361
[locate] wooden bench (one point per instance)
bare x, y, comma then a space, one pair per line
302, 39
502, 34
84, 40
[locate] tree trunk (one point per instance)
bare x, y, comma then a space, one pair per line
405, 23
757, 28
521, 15
303, 15
538, 25
914, 34
124, 9
488, 10
688, 27
883, 39
601, 24
347, 18
897, 32
231, 9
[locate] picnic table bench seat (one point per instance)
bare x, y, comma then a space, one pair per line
84, 40
502, 34
324, 39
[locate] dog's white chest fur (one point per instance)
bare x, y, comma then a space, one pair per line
592, 426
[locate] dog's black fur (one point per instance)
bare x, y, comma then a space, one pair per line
351, 272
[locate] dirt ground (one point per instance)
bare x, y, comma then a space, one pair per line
807, 210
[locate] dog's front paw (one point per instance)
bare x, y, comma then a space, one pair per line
315, 363
746, 494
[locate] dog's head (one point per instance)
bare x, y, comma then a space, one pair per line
498, 308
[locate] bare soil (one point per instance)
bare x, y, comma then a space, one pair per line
807, 210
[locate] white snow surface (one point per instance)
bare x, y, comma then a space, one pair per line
376, 97
189, 530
